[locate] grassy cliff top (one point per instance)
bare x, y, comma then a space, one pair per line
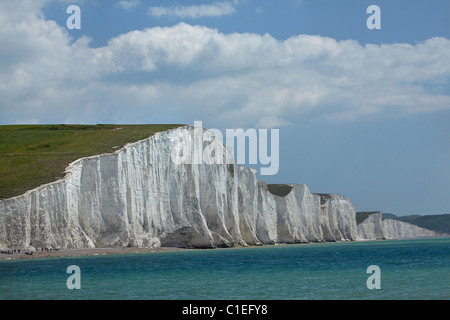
280, 190
361, 216
32, 155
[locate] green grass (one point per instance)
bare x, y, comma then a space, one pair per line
280, 190
361, 216
32, 155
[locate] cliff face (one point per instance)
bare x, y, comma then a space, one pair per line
139, 197
374, 227
394, 229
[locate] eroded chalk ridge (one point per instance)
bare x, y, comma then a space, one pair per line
374, 227
139, 197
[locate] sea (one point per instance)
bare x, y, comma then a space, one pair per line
368, 270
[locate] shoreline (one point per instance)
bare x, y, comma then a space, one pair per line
84, 252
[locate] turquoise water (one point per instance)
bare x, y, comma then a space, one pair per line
409, 269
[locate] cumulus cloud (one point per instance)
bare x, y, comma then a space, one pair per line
194, 11
184, 73
128, 4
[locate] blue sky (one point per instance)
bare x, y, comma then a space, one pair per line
361, 112
403, 21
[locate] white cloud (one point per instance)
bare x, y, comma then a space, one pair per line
128, 4
194, 11
185, 73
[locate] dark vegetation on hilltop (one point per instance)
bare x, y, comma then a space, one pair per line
280, 190
32, 155
361, 216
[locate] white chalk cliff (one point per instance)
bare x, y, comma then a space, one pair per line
375, 227
139, 197
372, 227
394, 229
